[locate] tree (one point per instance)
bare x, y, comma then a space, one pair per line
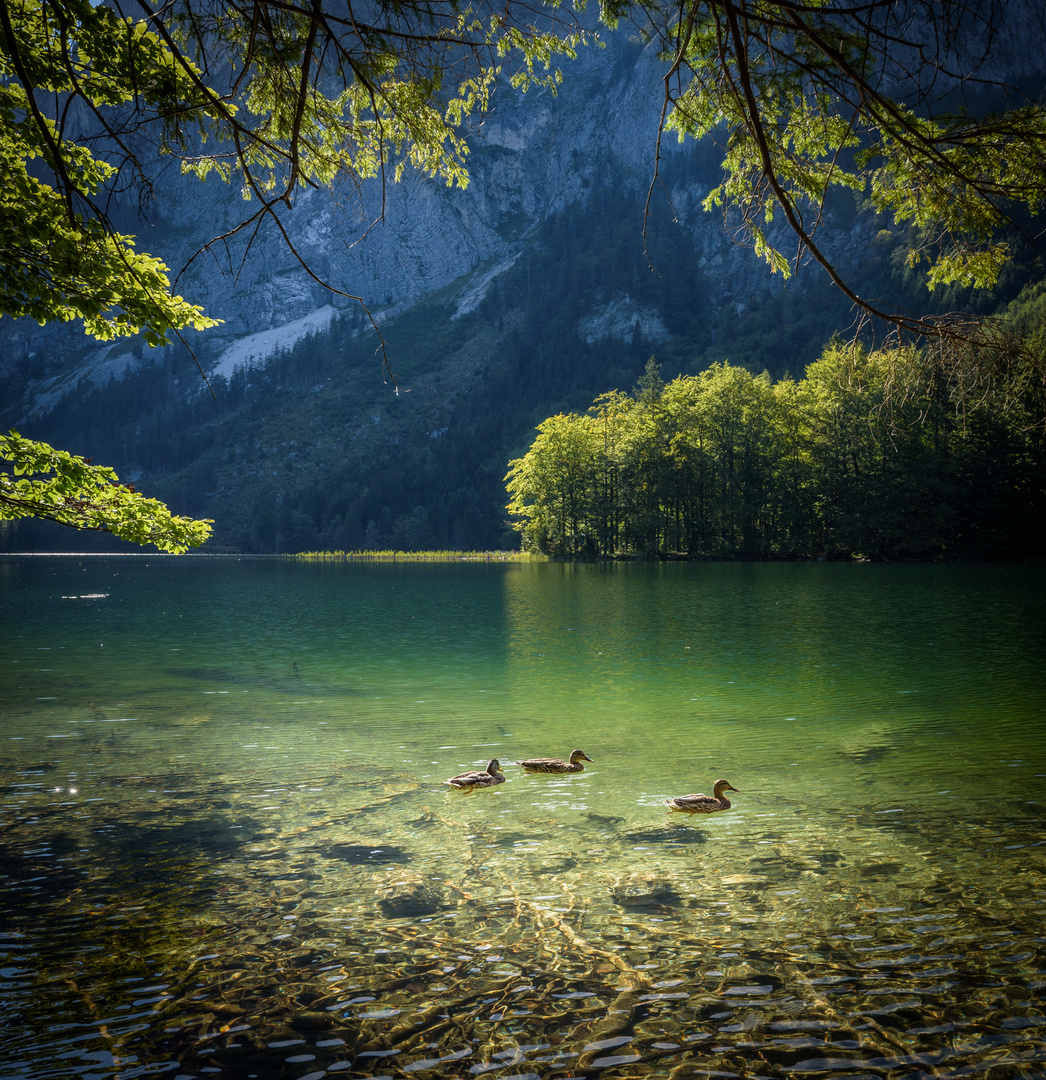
555, 487
270, 96
276, 96
608, 418
877, 98
39, 481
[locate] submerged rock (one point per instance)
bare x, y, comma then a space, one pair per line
668, 834
309, 1020
365, 853
641, 888
402, 895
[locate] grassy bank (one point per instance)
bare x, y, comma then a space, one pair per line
417, 556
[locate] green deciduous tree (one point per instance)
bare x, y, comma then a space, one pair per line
555, 486
878, 98
269, 96
64, 69
805, 96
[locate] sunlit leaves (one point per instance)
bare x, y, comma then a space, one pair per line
38, 481
857, 457
271, 97
959, 196
800, 98
553, 486
322, 95
58, 268
60, 258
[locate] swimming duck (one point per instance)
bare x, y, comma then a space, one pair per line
468, 781
703, 804
554, 765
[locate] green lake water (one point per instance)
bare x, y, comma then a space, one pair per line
226, 848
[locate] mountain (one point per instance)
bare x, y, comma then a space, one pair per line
529, 292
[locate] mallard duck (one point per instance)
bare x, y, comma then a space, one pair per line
703, 804
468, 781
554, 765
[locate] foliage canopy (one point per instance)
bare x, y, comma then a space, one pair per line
889, 101
728, 464
270, 96
885, 99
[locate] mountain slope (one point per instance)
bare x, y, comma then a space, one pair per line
531, 292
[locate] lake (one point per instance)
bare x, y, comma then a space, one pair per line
226, 847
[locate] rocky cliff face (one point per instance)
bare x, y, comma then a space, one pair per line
531, 156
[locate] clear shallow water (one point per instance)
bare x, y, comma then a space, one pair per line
226, 849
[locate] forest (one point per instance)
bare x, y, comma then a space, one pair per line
880, 174
871, 455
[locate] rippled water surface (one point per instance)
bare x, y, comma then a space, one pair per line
226, 848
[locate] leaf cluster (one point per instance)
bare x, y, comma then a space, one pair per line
39, 481
67, 69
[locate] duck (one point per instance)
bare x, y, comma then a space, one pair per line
703, 804
554, 765
469, 781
